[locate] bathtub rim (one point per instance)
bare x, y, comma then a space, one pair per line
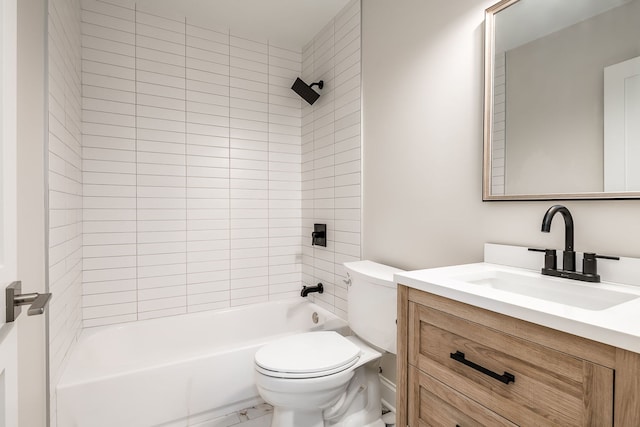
89, 333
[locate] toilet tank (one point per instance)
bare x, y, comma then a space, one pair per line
372, 303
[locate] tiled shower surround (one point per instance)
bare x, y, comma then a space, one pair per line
192, 168
203, 173
331, 167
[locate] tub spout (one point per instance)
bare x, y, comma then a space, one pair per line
306, 290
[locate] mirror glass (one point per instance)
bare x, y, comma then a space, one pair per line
562, 99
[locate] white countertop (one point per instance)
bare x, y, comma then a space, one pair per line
618, 325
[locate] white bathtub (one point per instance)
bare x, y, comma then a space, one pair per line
175, 371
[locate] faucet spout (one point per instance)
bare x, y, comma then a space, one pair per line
569, 256
306, 290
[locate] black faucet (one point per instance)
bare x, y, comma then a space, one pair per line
306, 290
568, 255
589, 269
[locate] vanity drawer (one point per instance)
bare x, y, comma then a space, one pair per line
548, 388
433, 404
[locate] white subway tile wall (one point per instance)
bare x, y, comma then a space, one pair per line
65, 184
498, 152
193, 174
161, 166
207, 156
109, 154
331, 152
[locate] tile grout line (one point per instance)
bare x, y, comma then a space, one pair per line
333, 101
186, 179
229, 198
135, 71
268, 172
313, 193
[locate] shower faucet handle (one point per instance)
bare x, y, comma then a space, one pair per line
316, 236
319, 235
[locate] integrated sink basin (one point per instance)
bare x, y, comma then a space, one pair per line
562, 291
510, 282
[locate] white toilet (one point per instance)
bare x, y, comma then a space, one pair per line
318, 379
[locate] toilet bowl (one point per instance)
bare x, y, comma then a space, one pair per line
319, 379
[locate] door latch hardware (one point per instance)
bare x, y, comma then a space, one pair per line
15, 300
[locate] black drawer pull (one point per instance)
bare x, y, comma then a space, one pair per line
506, 378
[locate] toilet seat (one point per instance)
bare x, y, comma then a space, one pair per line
307, 355
304, 375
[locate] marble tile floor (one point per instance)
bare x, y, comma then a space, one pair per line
256, 416
260, 416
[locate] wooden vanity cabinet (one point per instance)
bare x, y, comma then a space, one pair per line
460, 365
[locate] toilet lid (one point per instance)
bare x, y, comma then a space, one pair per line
308, 353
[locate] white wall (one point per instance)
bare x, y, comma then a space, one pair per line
422, 138
65, 183
32, 339
331, 166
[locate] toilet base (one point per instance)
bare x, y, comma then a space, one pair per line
376, 423
363, 408
283, 417
289, 418
359, 406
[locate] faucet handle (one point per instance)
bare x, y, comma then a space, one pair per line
615, 258
589, 265
550, 258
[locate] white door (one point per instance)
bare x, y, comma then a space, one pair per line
8, 221
622, 126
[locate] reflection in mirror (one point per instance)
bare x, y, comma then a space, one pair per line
562, 103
